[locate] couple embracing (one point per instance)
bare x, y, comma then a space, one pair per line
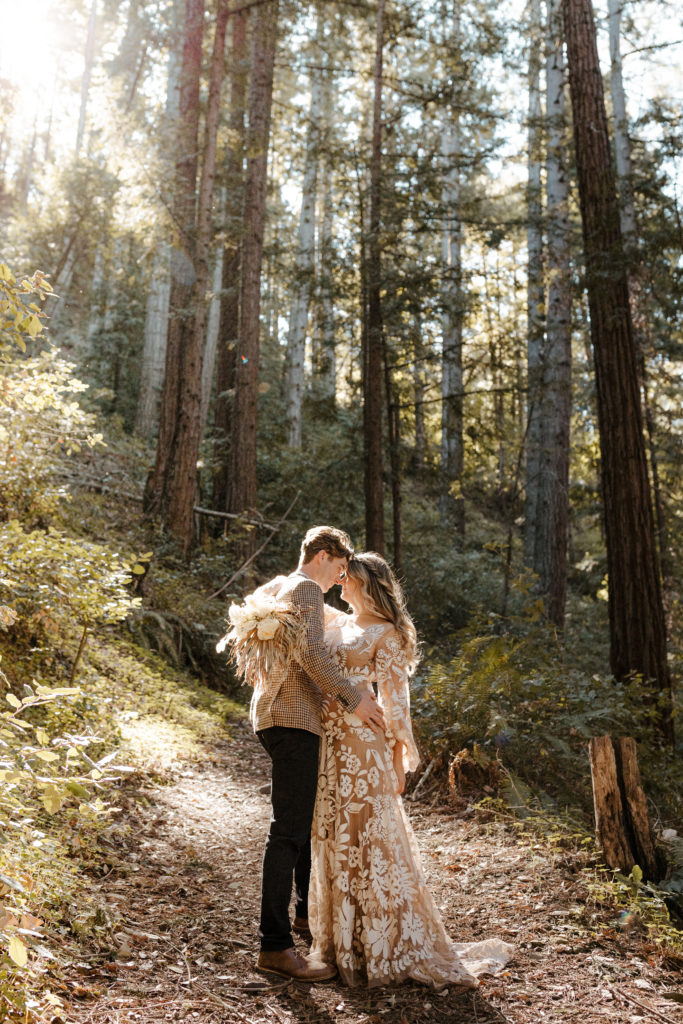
339, 755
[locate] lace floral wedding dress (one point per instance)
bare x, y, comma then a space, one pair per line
369, 906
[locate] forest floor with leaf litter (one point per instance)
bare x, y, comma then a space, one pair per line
180, 899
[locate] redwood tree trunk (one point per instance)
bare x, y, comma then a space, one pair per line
372, 355
637, 625
183, 272
228, 330
243, 488
182, 478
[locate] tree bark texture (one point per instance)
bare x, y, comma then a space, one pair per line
325, 361
535, 290
622, 823
158, 297
636, 614
451, 500
547, 533
243, 489
622, 147
304, 266
641, 317
183, 273
372, 355
228, 331
87, 75
183, 475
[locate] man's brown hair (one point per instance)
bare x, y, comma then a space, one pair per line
325, 538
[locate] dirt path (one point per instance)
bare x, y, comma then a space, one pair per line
184, 890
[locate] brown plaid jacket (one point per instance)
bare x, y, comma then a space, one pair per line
297, 700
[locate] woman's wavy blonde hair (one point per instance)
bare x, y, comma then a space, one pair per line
384, 597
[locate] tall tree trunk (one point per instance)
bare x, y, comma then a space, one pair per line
419, 396
228, 331
552, 521
451, 499
183, 273
158, 297
535, 292
622, 146
326, 357
642, 321
394, 434
154, 344
87, 75
636, 614
183, 469
211, 345
304, 266
372, 356
243, 489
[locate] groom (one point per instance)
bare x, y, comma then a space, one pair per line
286, 719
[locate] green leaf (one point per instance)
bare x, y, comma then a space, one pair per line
637, 874
11, 699
77, 790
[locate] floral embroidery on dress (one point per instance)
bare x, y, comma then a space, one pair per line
369, 906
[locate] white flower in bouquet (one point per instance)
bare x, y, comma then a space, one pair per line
267, 628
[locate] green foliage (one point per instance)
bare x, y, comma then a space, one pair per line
41, 425
50, 578
19, 316
516, 690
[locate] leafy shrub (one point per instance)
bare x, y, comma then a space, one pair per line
513, 689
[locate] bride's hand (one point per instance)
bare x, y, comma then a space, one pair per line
370, 713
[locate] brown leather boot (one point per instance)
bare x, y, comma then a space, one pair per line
290, 964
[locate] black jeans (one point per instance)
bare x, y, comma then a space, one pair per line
294, 754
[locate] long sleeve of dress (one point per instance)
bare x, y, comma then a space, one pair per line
393, 687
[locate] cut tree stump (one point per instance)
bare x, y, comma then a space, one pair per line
622, 823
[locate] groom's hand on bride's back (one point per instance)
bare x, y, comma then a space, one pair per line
370, 713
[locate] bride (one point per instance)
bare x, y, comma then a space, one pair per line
369, 908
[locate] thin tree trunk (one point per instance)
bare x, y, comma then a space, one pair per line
243, 489
533, 511
304, 267
87, 75
372, 358
552, 510
419, 397
158, 297
394, 432
211, 346
325, 367
30, 157
451, 499
636, 614
154, 345
230, 285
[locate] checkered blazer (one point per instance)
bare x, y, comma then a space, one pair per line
297, 700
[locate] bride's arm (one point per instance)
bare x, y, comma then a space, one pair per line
393, 685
